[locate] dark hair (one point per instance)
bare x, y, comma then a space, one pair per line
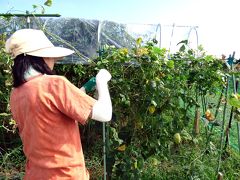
23, 62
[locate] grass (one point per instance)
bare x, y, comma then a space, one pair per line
12, 164
190, 162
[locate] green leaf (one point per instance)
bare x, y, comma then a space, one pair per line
34, 6
140, 163
209, 58
234, 102
157, 50
139, 41
183, 42
182, 48
115, 136
190, 51
48, 3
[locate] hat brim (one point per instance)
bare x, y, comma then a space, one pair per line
53, 52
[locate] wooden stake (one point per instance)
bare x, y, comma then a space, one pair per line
220, 176
196, 122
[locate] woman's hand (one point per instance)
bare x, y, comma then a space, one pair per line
103, 76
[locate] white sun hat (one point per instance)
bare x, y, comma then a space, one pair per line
35, 43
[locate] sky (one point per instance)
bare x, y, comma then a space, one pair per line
217, 20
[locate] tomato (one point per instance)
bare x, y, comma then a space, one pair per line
122, 148
209, 116
151, 109
177, 138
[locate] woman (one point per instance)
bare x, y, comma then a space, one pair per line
47, 108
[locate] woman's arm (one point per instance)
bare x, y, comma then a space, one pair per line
102, 109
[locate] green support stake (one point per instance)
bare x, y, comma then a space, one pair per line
238, 129
222, 129
28, 15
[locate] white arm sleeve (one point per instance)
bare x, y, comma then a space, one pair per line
102, 109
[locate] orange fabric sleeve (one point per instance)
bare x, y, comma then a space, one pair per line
70, 100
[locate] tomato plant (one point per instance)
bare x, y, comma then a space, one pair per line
154, 95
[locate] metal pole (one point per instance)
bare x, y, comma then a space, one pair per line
104, 152
104, 124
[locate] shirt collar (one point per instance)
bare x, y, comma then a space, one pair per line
30, 72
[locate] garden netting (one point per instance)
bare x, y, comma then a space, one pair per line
86, 36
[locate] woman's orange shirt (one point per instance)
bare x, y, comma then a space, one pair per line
47, 109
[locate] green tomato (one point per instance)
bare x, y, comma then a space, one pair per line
177, 138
